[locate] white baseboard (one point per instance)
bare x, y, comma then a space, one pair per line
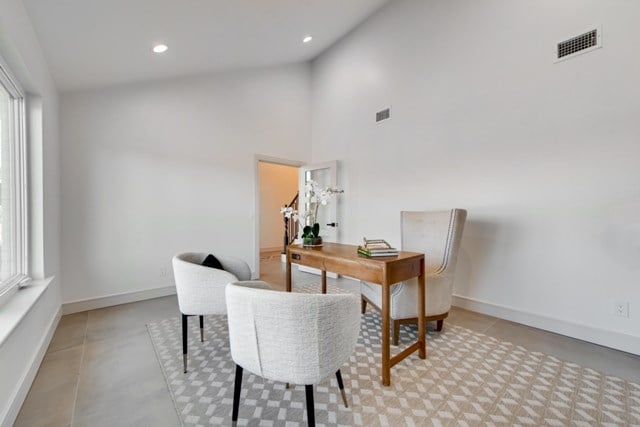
116, 299
612, 339
30, 374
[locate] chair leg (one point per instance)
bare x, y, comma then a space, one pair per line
311, 416
236, 394
201, 328
396, 332
341, 387
363, 304
439, 325
184, 342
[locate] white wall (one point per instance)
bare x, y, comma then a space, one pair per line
545, 156
21, 350
278, 186
150, 170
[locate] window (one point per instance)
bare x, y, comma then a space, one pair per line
13, 186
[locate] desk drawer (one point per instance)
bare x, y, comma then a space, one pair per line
357, 268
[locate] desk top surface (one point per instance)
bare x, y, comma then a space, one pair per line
350, 252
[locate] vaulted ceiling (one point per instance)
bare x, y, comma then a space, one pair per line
91, 43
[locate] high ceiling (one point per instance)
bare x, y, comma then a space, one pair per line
91, 43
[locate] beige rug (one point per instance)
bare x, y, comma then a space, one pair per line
468, 379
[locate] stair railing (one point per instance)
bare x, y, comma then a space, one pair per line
290, 226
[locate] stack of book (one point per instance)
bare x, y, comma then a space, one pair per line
376, 247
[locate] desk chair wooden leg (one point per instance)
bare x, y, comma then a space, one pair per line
341, 387
201, 328
396, 332
363, 303
386, 345
439, 325
311, 416
237, 388
184, 341
422, 320
324, 281
287, 276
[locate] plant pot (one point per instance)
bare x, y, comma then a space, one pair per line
312, 241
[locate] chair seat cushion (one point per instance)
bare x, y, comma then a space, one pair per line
212, 262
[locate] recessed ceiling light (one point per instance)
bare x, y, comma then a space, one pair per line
307, 39
160, 48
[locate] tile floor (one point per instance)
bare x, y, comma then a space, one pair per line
100, 368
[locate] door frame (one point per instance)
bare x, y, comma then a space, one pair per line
256, 206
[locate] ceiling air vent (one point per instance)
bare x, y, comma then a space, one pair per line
578, 45
383, 114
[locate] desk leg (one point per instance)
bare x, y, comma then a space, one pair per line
324, 282
422, 321
288, 276
386, 349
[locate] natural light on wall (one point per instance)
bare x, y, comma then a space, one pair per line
13, 211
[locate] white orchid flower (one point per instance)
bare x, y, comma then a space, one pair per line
288, 212
313, 197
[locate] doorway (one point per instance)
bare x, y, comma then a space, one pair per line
277, 187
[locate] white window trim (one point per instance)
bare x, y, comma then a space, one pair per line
19, 198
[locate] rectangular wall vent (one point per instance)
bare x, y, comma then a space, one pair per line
383, 115
577, 45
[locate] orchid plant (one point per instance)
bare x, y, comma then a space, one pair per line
315, 196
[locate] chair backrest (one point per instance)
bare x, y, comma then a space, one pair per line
200, 289
437, 234
291, 337
192, 257
233, 265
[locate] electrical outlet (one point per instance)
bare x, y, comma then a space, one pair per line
621, 308
163, 272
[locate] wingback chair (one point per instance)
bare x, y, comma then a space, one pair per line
438, 236
290, 337
200, 289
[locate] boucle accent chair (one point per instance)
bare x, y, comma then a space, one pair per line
438, 236
290, 337
200, 289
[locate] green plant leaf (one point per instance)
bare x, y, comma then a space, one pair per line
306, 231
316, 229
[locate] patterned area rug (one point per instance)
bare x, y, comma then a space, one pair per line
468, 379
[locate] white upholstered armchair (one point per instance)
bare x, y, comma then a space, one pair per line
200, 289
438, 236
290, 337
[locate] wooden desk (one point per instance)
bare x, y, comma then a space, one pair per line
385, 271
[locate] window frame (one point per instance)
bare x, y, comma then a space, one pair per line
18, 209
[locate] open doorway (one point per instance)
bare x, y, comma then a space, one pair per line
277, 185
